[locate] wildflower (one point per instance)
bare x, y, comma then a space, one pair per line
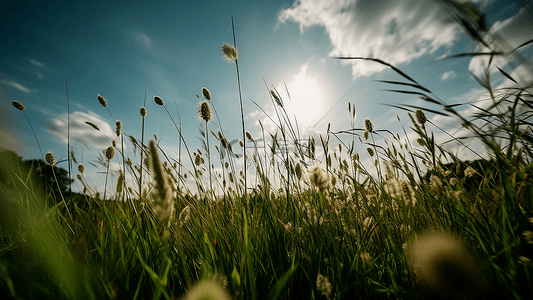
444, 265
92, 125
163, 196
323, 286
102, 101
204, 111
230, 52
469, 171
118, 128
206, 93
420, 117
159, 101
81, 168
318, 178
143, 111
369, 126
18, 105
110, 152
49, 158
207, 289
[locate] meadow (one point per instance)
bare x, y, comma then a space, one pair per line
417, 222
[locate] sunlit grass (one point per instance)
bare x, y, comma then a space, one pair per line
399, 218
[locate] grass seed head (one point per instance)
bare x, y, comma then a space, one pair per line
81, 168
118, 128
102, 101
159, 101
249, 136
444, 265
204, 111
207, 289
92, 125
318, 178
18, 105
50, 158
230, 52
276, 98
163, 205
369, 126
110, 152
370, 151
143, 111
420, 117
323, 286
206, 93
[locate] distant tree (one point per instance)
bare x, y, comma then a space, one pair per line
40, 173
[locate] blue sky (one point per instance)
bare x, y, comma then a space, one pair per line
171, 49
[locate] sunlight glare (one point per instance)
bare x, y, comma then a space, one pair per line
306, 101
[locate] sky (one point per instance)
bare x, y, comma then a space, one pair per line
123, 50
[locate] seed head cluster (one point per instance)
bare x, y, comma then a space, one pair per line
276, 98
420, 117
143, 111
50, 158
204, 111
369, 125
18, 105
92, 125
323, 286
118, 128
102, 101
318, 178
230, 52
206, 93
159, 101
162, 202
444, 265
110, 152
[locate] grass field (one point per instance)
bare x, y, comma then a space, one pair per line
417, 223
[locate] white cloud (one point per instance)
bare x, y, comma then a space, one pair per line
394, 31
510, 33
142, 38
448, 75
81, 131
36, 63
17, 86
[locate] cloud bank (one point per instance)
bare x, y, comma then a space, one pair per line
394, 31
81, 132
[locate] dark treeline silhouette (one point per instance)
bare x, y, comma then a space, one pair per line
40, 173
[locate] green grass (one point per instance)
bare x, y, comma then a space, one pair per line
276, 239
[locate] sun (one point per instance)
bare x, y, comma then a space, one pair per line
306, 101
